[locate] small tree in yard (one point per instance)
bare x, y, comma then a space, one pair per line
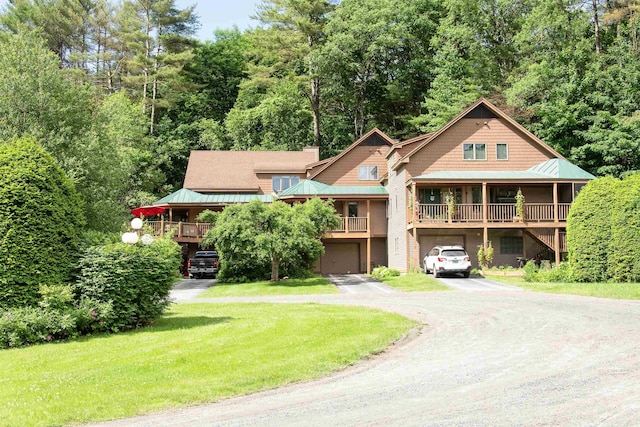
253, 237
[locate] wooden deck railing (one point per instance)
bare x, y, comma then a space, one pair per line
352, 225
180, 229
496, 212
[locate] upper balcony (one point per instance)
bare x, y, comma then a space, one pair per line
495, 213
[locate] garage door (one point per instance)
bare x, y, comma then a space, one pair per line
428, 242
340, 258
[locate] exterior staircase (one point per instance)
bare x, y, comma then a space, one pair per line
546, 236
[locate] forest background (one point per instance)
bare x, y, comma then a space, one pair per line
121, 92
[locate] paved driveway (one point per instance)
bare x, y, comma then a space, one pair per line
476, 284
359, 284
188, 289
481, 359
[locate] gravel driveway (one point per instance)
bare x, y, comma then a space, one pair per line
483, 358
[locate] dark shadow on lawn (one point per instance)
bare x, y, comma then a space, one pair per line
170, 323
289, 283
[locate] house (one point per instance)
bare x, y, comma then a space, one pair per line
398, 199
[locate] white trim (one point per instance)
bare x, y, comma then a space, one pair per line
506, 146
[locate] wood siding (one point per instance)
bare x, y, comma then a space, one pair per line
345, 170
445, 152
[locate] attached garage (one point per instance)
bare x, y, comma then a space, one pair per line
340, 258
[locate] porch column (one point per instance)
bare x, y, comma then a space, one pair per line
170, 215
485, 237
368, 236
414, 202
485, 206
556, 238
556, 215
161, 225
369, 217
368, 255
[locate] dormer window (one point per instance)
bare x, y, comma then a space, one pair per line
474, 151
282, 182
368, 173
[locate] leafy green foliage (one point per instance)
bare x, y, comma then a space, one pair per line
40, 218
136, 279
252, 237
590, 229
625, 237
382, 272
58, 317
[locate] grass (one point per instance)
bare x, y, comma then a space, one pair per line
313, 285
415, 282
197, 353
601, 290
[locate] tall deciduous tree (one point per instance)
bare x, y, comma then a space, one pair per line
306, 20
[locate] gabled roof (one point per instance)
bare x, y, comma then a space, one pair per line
553, 169
482, 103
309, 187
235, 171
186, 196
362, 139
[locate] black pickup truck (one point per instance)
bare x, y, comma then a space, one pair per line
204, 263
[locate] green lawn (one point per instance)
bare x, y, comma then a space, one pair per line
415, 282
197, 353
602, 290
313, 285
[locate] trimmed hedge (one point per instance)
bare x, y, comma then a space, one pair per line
40, 218
624, 265
136, 279
590, 230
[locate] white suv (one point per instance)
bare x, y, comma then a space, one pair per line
447, 259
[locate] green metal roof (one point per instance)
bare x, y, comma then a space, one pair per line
561, 168
188, 196
550, 169
309, 187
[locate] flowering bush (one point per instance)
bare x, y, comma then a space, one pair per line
58, 317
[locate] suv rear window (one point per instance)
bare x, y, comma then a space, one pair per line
454, 252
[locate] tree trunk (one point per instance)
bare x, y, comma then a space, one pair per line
315, 96
275, 266
596, 24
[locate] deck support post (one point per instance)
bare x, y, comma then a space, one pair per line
368, 255
556, 239
485, 207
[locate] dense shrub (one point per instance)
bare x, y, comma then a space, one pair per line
561, 273
58, 317
530, 272
382, 272
590, 229
40, 217
135, 278
625, 239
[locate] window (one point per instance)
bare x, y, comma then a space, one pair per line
511, 245
502, 152
474, 151
367, 173
282, 182
353, 209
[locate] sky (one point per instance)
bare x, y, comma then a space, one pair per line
222, 14
216, 14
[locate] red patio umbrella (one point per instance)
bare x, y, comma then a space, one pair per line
147, 211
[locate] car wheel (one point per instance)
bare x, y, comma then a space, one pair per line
435, 272
465, 274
